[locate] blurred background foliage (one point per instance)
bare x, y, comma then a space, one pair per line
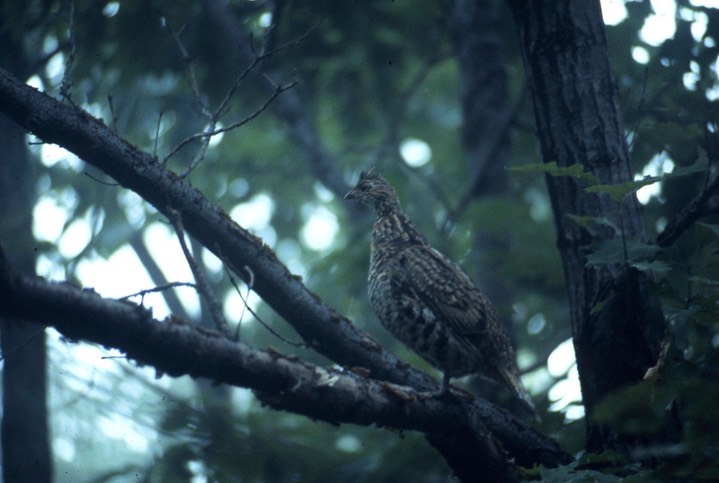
378, 83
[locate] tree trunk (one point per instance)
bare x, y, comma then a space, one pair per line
476, 29
617, 326
25, 442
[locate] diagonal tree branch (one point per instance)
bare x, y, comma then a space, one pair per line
703, 204
178, 348
322, 327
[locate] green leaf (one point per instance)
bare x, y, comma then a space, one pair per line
574, 473
587, 222
637, 409
612, 251
607, 457
704, 280
699, 165
656, 266
552, 169
618, 191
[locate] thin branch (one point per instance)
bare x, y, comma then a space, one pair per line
188, 64
66, 85
22, 346
277, 7
390, 142
214, 116
291, 107
98, 180
258, 58
204, 106
279, 89
157, 134
160, 288
246, 306
244, 299
208, 134
505, 120
156, 275
112, 113
250, 283
634, 131
705, 203
202, 284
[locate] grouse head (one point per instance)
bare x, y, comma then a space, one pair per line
373, 190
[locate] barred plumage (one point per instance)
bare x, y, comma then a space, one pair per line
428, 302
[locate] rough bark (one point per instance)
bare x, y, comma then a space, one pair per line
322, 328
617, 326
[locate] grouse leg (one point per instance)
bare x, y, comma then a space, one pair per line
444, 386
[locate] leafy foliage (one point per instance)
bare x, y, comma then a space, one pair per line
371, 76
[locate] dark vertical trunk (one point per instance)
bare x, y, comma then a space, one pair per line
477, 38
24, 432
617, 326
476, 28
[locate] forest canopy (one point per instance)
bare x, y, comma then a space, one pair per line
183, 288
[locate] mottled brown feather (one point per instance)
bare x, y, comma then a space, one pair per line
428, 302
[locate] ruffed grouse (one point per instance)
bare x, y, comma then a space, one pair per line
428, 302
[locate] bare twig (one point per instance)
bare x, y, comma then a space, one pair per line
264, 324
213, 116
504, 122
160, 288
237, 289
157, 134
203, 285
204, 106
389, 144
208, 134
18, 347
634, 132
66, 85
703, 204
270, 35
188, 62
257, 59
290, 107
39, 64
250, 283
112, 113
98, 180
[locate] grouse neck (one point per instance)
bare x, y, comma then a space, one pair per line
387, 206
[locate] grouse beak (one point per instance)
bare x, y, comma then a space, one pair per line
350, 195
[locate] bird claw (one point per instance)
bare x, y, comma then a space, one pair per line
440, 393
432, 394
